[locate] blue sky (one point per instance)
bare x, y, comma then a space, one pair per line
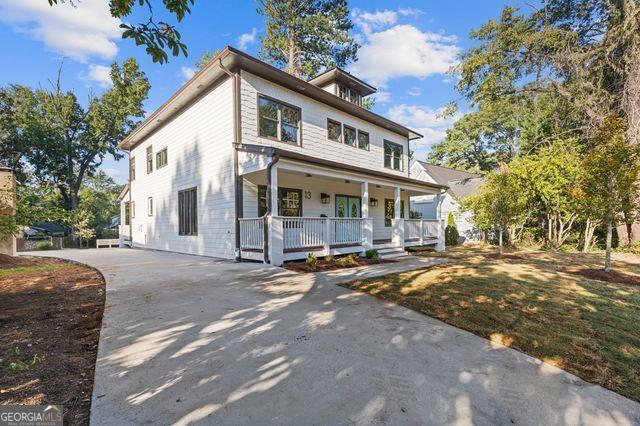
422, 37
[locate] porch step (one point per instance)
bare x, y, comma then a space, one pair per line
385, 246
392, 253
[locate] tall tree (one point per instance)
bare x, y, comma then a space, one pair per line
306, 36
65, 142
159, 37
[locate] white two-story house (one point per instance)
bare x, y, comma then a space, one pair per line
248, 162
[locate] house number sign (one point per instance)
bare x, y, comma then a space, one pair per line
307, 195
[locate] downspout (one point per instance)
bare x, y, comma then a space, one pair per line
237, 135
130, 206
265, 240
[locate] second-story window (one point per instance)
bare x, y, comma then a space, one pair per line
278, 121
363, 140
349, 135
392, 155
149, 159
161, 158
334, 130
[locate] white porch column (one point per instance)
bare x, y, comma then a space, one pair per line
364, 193
440, 245
274, 190
327, 236
397, 202
276, 243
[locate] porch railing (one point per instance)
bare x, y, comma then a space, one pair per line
412, 229
252, 233
303, 232
346, 231
431, 228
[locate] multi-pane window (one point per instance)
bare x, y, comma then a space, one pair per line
350, 95
150, 206
127, 213
188, 212
349, 135
161, 158
363, 140
289, 201
278, 121
392, 155
132, 168
389, 211
334, 130
339, 132
149, 159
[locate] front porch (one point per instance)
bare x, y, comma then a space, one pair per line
292, 209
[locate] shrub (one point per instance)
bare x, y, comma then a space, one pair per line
44, 245
451, 235
372, 254
312, 259
352, 259
330, 258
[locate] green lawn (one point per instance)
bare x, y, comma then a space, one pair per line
527, 301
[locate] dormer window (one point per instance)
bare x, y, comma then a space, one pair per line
350, 95
343, 85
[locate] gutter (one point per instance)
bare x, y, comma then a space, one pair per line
265, 243
237, 135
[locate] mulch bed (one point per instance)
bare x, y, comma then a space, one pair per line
50, 318
614, 276
323, 265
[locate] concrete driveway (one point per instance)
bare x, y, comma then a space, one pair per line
188, 339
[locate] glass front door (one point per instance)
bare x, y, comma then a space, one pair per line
347, 206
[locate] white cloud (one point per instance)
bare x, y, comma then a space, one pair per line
425, 120
415, 91
410, 11
246, 39
404, 51
82, 32
99, 74
370, 21
187, 73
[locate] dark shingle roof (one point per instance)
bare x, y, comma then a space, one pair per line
444, 175
464, 187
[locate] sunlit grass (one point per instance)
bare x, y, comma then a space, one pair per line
33, 270
587, 327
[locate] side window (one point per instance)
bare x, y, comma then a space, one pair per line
161, 158
133, 209
149, 159
127, 213
363, 140
289, 201
150, 206
188, 212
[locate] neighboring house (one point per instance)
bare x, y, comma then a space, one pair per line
247, 161
460, 185
49, 229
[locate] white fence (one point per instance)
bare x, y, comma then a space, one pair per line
252, 233
412, 229
303, 232
108, 242
346, 231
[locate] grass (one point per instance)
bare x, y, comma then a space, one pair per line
525, 300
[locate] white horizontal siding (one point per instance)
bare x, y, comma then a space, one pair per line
314, 128
199, 142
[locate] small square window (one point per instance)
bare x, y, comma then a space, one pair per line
349, 136
363, 140
334, 130
161, 158
149, 159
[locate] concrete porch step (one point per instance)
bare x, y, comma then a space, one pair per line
385, 246
392, 254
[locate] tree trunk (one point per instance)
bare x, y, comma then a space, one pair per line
607, 257
293, 54
500, 241
589, 229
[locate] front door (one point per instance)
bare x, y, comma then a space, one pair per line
347, 206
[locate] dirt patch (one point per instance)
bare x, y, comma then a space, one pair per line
324, 265
9, 262
614, 276
504, 256
50, 318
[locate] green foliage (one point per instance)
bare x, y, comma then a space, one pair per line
44, 245
99, 197
311, 259
451, 220
329, 258
306, 36
63, 142
8, 227
205, 58
350, 260
19, 366
372, 254
159, 38
451, 234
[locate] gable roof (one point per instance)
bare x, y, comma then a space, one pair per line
233, 59
444, 175
464, 187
